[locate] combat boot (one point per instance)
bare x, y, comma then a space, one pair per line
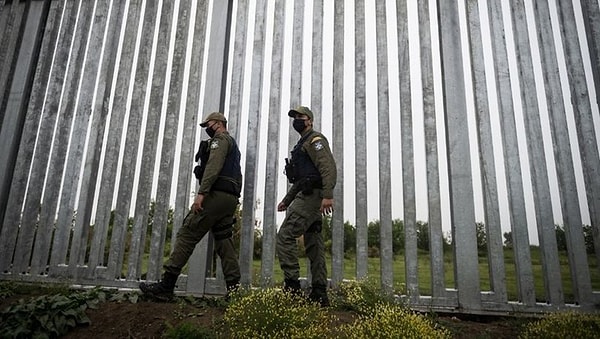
319, 294
162, 290
292, 286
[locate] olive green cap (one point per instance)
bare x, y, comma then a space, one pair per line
218, 116
302, 110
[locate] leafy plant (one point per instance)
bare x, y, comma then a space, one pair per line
49, 315
6, 290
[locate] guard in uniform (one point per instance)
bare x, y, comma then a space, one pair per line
213, 210
312, 173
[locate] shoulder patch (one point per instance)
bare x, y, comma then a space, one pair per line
315, 139
318, 145
214, 144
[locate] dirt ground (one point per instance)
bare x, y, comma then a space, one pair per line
149, 319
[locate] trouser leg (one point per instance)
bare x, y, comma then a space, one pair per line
287, 247
315, 251
194, 228
229, 260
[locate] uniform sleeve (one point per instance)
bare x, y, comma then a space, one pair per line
219, 147
291, 194
319, 152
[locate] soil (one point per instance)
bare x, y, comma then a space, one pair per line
150, 319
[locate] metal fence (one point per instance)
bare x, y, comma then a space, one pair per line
100, 102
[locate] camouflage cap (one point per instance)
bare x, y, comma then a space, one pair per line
302, 110
218, 116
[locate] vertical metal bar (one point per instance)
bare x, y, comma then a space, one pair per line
188, 143
113, 142
385, 211
144, 204
83, 113
10, 49
562, 152
316, 104
487, 162
41, 83
167, 158
134, 137
11, 41
591, 21
466, 270
272, 167
408, 159
60, 144
537, 158
296, 63
436, 241
157, 98
518, 217
101, 107
201, 259
237, 70
360, 141
296, 66
588, 146
337, 220
250, 174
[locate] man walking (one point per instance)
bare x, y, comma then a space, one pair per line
213, 210
312, 173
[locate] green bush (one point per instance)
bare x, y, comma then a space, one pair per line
359, 296
564, 325
271, 313
385, 320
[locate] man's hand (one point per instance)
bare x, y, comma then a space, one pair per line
326, 206
197, 205
281, 207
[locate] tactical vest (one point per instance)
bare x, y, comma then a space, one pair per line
303, 165
231, 167
230, 177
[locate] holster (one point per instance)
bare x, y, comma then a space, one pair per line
201, 157
290, 171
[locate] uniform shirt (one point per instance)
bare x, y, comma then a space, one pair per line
317, 148
219, 148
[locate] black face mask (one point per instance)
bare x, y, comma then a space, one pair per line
210, 131
299, 125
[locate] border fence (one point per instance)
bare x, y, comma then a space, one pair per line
100, 102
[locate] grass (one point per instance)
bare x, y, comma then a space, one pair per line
424, 271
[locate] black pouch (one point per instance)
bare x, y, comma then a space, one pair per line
203, 151
201, 157
290, 171
198, 172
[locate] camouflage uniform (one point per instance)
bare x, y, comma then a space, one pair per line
220, 183
304, 217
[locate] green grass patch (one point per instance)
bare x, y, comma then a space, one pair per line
424, 272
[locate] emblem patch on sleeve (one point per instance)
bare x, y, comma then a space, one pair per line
318, 146
214, 144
